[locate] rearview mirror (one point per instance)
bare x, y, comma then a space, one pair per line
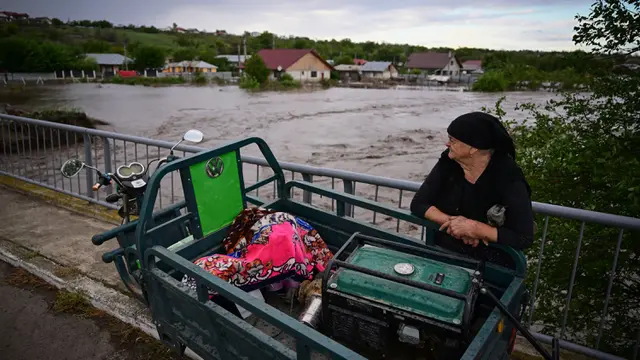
71, 168
194, 136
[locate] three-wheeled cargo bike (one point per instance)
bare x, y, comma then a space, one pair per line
383, 295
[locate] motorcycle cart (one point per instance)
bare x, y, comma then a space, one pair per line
384, 294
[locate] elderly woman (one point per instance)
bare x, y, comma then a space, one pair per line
476, 192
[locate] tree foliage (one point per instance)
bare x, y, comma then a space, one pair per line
256, 68
147, 57
581, 151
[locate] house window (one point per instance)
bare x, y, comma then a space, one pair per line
451, 62
314, 74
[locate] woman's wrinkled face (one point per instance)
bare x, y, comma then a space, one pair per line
458, 150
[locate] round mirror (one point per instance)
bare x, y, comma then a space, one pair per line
194, 136
71, 167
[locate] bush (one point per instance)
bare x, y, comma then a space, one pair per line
287, 82
491, 81
256, 68
199, 79
327, 83
248, 82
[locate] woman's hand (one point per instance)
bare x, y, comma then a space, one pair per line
459, 227
462, 228
470, 241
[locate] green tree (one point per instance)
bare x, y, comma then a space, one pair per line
344, 60
182, 54
147, 57
256, 68
581, 151
222, 64
96, 46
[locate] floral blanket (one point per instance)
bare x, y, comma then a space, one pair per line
263, 245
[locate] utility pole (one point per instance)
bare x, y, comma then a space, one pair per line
244, 43
126, 63
273, 41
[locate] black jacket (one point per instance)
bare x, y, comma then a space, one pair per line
502, 183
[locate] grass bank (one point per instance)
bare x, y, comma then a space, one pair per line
198, 79
146, 81
36, 137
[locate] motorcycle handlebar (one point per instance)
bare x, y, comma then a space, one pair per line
111, 255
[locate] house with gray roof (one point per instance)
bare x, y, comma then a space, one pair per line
348, 72
235, 59
189, 67
378, 70
109, 63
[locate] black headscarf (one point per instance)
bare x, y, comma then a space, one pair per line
482, 131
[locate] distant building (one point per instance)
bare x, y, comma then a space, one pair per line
348, 72
435, 63
14, 16
189, 67
235, 60
359, 61
472, 66
301, 64
379, 70
41, 20
110, 63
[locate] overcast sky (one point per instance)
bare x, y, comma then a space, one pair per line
499, 24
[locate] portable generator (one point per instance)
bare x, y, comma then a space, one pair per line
393, 300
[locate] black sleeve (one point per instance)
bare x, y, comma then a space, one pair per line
517, 231
426, 195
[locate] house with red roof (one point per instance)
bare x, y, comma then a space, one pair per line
359, 61
435, 63
472, 66
302, 64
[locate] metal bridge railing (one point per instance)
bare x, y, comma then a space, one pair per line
34, 150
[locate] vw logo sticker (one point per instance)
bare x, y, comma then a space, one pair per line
214, 167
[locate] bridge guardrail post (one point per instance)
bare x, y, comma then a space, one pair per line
107, 158
88, 161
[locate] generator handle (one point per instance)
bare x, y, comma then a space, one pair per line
522, 329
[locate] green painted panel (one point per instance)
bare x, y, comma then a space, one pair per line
405, 297
219, 199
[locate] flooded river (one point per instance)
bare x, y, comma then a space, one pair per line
396, 133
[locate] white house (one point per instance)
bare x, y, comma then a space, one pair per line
302, 64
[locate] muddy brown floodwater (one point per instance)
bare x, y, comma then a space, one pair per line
395, 133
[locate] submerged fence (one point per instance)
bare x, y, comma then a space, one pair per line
34, 150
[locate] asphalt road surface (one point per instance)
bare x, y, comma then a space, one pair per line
32, 328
